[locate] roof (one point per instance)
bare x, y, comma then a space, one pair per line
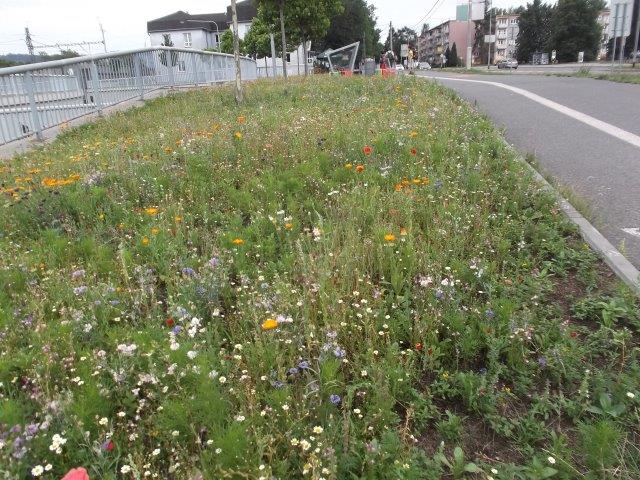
185, 21
246, 11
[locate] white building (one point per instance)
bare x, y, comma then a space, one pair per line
506, 34
200, 31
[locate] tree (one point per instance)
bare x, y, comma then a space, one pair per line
164, 58
534, 30
226, 42
404, 35
272, 12
356, 23
311, 20
452, 59
257, 41
447, 57
575, 28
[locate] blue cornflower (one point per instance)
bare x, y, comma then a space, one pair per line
339, 352
188, 271
293, 371
490, 313
303, 365
335, 399
542, 361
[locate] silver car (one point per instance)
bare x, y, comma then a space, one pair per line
509, 63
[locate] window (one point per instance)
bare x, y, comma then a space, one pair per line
182, 67
187, 40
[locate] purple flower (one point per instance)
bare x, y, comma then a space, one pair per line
439, 294
177, 329
32, 429
303, 365
28, 321
335, 399
81, 290
542, 361
188, 272
75, 275
339, 352
278, 384
332, 334
214, 262
490, 313
293, 371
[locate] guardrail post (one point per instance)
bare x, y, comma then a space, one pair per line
95, 82
170, 65
194, 61
138, 72
35, 116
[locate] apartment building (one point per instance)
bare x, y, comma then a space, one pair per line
438, 38
506, 34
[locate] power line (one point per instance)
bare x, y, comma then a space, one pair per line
435, 5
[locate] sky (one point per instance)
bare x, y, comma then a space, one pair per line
124, 21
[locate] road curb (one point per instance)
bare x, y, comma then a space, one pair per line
622, 267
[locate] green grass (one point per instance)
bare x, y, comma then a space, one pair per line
427, 292
624, 77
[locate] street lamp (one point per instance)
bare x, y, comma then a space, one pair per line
217, 29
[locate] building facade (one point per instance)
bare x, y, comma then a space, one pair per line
506, 35
437, 39
603, 21
200, 31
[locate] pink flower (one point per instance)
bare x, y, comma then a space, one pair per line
76, 474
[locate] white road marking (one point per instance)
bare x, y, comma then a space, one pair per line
632, 231
570, 112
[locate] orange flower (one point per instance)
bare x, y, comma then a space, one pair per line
242, 119
49, 182
238, 135
367, 150
288, 226
237, 241
390, 237
269, 324
413, 152
145, 241
413, 134
151, 211
398, 187
360, 168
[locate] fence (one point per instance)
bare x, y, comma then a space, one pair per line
43, 95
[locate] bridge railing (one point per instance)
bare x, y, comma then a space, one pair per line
39, 96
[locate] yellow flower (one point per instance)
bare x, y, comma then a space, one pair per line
33, 171
238, 135
390, 237
348, 166
413, 134
151, 211
269, 324
155, 231
145, 241
288, 226
238, 241
177, 219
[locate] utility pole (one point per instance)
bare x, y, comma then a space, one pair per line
635, 42
615, 33
391, 37
104, 43
29, 42
273, 54
236, 52
623, 39
469, 47
489, 49
284, 41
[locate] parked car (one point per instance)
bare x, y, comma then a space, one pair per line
399, 67
510, 63
424, 66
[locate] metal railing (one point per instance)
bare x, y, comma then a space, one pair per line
39, 96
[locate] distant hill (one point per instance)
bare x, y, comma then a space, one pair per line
21, 58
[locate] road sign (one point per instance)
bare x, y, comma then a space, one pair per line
404, 50
621, 16
489, 39
580, 57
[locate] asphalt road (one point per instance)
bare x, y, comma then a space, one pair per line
594, 160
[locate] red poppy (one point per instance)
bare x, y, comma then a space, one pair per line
109, 446
367, 150
418, 346
414, 152
573, 334
169, 322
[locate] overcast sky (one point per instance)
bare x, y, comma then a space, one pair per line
124, 21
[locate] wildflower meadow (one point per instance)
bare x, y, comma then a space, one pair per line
344, 278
